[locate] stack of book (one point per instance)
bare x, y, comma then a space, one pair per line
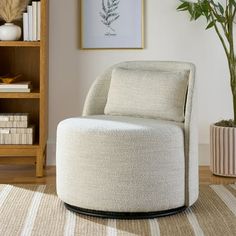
17, 87
14, 129
31, 22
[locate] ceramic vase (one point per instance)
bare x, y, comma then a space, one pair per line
10, 32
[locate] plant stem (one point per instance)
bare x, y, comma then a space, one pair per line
222, 19
229, 51
231, 59
224, 27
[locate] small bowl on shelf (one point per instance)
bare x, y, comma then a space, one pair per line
10, 78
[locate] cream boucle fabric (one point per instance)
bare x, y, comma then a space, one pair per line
118, 163
147, 93
97, 98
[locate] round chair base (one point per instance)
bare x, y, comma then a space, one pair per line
124, 215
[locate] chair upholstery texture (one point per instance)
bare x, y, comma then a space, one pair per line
117, 160
124, 163
148, 94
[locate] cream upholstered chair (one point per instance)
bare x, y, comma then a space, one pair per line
112, 164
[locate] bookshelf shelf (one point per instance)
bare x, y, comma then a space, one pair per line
32, 95
31, 60
18, 154
19, 44
4, 147
19, 160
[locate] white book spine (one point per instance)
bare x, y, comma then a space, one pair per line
30, 21
39, 20
29, 130
13, 116
25, 27
34, 17
5, 131
14, 86
23, 138
16, 138
13, 124
4, 118
15, 90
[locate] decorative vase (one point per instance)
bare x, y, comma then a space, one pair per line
223, 150
10, 32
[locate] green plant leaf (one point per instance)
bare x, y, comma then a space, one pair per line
210, 25
220, 18
233, 2
184, 6
221, 8
197, 15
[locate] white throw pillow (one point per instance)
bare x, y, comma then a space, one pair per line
147, 93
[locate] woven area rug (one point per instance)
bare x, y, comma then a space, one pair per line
36, 210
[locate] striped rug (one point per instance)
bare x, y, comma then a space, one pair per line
35, 210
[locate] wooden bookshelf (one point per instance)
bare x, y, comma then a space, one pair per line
32, 95
31, 60
19, 44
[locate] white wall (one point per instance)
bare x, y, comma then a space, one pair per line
168, 36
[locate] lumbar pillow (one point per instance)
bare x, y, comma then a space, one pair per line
149, 94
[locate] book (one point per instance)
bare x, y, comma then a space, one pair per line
34, 20
14, 124
15, 90
18, 85
30, 21
25, 27
28, 130
39, 20
14, 116
16, 139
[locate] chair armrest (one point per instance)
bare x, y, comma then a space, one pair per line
97, 96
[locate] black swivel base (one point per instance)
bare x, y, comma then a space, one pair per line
124, 215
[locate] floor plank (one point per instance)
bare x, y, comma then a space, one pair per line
206, 177
26, 175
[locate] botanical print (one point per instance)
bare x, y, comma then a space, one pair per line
111, 24
109, 15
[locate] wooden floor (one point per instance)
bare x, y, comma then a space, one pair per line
20, 174
26, 175
206, 177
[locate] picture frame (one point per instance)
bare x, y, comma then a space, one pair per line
112, 24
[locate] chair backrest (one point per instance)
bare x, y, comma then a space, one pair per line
97, 96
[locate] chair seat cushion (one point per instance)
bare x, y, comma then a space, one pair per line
127, 126
118, 163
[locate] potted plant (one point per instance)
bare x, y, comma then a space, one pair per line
10, 11
220, 16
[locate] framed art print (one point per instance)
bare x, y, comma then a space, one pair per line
112, 24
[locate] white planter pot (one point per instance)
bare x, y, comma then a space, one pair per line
223, 150
10, 32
